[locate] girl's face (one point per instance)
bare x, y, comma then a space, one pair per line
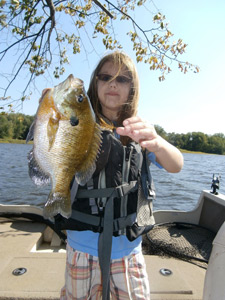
112, 94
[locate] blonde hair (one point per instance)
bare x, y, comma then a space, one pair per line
130, 108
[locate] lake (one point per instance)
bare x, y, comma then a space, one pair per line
174, 191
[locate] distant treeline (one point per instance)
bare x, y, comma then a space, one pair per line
16, 126
195, 141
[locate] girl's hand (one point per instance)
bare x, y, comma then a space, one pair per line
141, 132
145, 134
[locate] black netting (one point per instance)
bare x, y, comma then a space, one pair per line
144, 209
185, 241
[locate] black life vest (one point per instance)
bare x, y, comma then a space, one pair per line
122, 172
118, 200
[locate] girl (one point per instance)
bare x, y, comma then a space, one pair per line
104, 249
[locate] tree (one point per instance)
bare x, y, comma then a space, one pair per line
5, 128
15, 126
216, 144
31, 30
176, 139
160, 131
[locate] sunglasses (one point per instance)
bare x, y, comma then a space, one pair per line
119, 79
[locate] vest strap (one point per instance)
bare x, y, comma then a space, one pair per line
123, 222
115, 192
87, 218
105, 248
118, 224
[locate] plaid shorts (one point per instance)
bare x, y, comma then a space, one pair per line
128, 277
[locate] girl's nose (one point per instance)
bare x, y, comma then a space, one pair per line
113, 83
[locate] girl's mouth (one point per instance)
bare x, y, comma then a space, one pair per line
112, 94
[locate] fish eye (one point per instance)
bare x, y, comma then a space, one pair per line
80, 98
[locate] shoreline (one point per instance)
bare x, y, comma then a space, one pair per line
15, 141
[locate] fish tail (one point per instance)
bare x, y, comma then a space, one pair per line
57, 203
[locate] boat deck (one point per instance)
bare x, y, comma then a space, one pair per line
185, 283
33, 246
45, 270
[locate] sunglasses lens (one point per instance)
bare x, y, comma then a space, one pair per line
119, 79
122, 79
104, 77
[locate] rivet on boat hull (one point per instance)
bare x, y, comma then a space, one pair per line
19, 271
165, 272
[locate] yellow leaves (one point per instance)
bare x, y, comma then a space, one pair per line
3, 18
196, 69
72, 40
168, 34
19, 31
167, 47
139, 58
111, 43
154, 52
184, 67
59, 8
35, 47
80, 24
101, 25
140, 2
15, 2
74, 10
133, 35
5, 98
124, 11
158, 18
153, 59
76, 46
107, 41
100, 28
161, 78
58, 71
37, 64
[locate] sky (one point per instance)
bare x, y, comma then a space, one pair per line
183, 102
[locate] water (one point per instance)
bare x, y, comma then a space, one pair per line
174, 191
16, 186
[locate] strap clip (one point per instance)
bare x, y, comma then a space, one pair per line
126, 188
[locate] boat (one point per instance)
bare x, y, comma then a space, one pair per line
184, 253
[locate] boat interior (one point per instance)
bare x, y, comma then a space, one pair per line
33, 255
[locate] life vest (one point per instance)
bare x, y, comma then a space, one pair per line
122, 172
118, 199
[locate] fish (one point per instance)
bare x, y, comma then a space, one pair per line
66, 143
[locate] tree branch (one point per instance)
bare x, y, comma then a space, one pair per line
52, 17
103, 8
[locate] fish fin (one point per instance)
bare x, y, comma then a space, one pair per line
83, 177
35, 172
57, 204
89, 165
52, 128
30, 135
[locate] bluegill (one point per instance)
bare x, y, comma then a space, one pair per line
66, 143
